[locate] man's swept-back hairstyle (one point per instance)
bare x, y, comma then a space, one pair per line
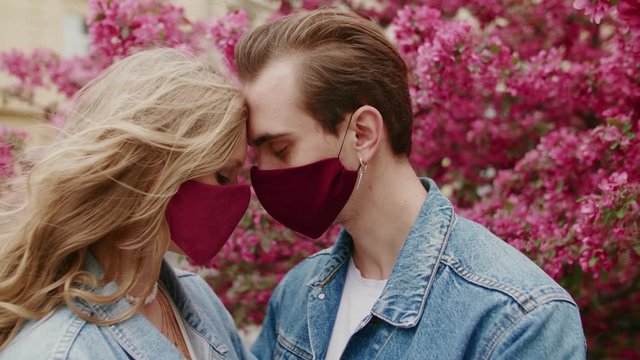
343, 62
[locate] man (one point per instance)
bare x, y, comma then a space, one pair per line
331, 120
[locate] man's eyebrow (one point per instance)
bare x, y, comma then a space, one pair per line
257, 142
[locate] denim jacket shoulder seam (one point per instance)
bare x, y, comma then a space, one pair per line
528, 302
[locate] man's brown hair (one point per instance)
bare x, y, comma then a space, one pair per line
344, 62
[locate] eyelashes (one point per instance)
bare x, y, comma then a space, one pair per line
281, 153
222, 180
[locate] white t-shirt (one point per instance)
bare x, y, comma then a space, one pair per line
358, 297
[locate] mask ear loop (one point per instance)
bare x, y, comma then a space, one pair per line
362, 168
345, 134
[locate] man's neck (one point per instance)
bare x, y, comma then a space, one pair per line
387, 207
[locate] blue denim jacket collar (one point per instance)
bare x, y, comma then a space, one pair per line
403, 299
128, 333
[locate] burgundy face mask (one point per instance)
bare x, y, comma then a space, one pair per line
201, 217
306, 199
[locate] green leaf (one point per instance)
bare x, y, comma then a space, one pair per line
621, 213
537, 183
124, 32
265, 243
593, 261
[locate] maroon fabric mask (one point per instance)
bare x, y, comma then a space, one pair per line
306, 199
201, 217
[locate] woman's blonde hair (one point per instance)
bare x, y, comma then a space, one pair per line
147, 124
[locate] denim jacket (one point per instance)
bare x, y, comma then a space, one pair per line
64, 335
456, 292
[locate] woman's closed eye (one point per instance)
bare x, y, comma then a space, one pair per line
223, 179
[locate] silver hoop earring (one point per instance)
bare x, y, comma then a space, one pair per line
361, 171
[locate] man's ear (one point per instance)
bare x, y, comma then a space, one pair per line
369, 129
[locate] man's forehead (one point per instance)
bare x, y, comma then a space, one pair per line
269, 123
272, 100
277, 78
274, 74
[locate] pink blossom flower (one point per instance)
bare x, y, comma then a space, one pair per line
529, 110
595, 9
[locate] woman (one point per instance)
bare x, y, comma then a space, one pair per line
137, 171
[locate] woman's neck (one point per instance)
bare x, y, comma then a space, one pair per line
110, 263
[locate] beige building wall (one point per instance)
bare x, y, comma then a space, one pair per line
59, 25
27, 25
